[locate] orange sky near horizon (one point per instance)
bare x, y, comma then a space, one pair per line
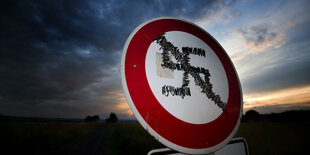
287, 98
122, 105
290, 97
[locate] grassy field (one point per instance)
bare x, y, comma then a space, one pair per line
23, 137
276, 137
264, 138
130, 138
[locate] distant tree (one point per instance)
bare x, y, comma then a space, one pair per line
96, 117
91, 118
252, 115
112, 119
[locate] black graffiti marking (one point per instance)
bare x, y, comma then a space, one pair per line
180, 91
195, 51
179, 67
184, 64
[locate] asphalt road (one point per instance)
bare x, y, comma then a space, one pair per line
93, 143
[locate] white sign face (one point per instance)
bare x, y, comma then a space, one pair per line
195, 107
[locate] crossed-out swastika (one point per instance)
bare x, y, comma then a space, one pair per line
183, 64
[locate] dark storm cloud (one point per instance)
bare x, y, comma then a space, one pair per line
70, 50
42, 49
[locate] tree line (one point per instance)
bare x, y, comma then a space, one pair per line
112, 118
293, 115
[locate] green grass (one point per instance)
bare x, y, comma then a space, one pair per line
276, 137
130, 138
23, 137
40, 137
263, 138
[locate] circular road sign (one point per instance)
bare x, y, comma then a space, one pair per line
181, 85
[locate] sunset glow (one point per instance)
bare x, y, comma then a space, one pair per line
122, 105
286, 98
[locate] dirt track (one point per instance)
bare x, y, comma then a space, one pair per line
93, 143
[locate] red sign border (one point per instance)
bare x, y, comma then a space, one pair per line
173, 132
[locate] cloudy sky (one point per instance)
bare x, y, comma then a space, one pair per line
62, 58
